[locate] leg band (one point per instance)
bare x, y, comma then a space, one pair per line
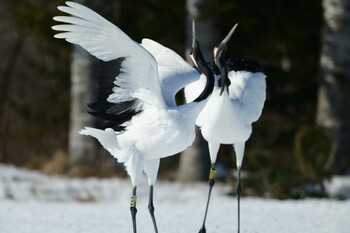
133, 201
212, 173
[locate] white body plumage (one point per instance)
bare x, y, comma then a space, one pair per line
228, 118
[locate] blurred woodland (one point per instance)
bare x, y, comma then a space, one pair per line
293, 144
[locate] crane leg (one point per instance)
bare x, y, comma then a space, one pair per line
238, 193
133, 209
211, 182
151, 208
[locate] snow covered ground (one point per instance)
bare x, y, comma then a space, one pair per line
31, 202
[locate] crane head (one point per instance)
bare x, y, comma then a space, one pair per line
220, 58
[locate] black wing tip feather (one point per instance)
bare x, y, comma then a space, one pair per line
114, 115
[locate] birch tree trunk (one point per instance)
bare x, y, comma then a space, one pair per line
333, 111
195, 162
82, 149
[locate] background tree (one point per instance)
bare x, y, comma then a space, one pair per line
83, 72
333, 112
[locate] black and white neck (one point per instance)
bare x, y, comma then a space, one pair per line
201, 64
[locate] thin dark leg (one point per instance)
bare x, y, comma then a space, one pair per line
133, 209
212, 174
151, 208
238, 192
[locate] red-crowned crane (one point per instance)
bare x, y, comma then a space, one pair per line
143, 122
236, 102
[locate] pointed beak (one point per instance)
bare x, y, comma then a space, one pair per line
220, 57
228, 37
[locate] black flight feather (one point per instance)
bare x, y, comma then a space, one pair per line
113, 114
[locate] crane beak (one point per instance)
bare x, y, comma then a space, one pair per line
228, 37
220, 57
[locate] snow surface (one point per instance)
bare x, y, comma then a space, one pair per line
31, 202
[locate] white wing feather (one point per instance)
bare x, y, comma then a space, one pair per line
250, 90
107, 42
107, 138
174, 71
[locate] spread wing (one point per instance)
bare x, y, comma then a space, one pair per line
174, 72
137, 81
